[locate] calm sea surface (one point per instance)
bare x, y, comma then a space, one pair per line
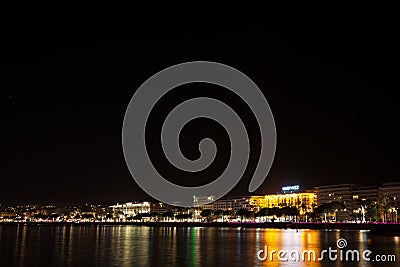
178, 246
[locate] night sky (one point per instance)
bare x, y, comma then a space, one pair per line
331, 81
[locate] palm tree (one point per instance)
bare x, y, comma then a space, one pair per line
336, 206
39, 216
329, 208
262, 213
275, 212
183, 216
168, 214
109, 216
227, 214
137, 217
285, 212
88, 216
250, 215
294, 212
319, 210
145, 215
218, 213
54, 216
386, 205
241, 213
207, 214
155, 215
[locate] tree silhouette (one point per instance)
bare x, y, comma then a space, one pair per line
206, 213
183, 216
168, 214
242, 213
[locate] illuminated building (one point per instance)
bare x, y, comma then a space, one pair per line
303, 201
205, 202
291, 196
257, 202
391, 189
339, 192
223, 204
351, 195
131, 208
160, 207
234, 204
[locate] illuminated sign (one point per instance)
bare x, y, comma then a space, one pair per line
291, 188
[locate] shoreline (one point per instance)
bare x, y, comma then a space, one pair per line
376, 228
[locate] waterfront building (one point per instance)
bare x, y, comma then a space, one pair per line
339, 192
257, 202
364, 193
303, 201
241, 203
204, 202
130, 209
350, 195
220, 204
223, 204
391, 189
160, 207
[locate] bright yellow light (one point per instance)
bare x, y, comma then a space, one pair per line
305, 202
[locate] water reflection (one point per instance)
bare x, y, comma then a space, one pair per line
171, 246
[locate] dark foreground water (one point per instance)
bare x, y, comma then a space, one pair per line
181, 246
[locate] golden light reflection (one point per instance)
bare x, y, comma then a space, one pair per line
179, 246
291, 241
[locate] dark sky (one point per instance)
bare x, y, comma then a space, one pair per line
331, 81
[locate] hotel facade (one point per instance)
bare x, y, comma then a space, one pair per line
304, 201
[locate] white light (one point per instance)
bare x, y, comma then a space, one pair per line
290, 187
